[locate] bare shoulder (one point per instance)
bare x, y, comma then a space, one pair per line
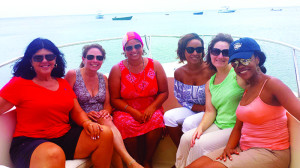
71, 77
179, 73
275, 84
156, 63
71, 73
114, 72
115, 69
157, 66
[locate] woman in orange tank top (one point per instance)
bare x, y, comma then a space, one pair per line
260, 137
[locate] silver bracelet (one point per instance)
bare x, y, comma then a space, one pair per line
125, 106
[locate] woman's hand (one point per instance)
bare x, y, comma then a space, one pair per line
93, 115
227, 153
93, 129
198, 132
138, 116
148, 113
104, 114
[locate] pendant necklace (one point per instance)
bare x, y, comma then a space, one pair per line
143, 84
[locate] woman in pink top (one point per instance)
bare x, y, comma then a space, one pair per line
260, 136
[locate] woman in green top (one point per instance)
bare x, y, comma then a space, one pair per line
223, 92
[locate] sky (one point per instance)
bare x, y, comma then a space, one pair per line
24, 8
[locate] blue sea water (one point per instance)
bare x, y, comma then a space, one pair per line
284, 26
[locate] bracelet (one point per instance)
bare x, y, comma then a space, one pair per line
125, 106
85, 121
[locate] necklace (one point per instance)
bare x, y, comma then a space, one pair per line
143, 81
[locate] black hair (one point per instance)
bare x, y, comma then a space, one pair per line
262, 59
23, 68
219, 37
182, 43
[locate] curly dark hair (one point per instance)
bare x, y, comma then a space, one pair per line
23, 68
262, 58
219, 37
86, 48
182, 43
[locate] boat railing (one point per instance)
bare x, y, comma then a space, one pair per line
147, 39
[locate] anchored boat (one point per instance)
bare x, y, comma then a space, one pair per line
226, 10
198, 13
122, 18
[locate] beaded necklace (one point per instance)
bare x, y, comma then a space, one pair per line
143, 84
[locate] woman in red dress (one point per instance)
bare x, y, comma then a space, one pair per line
138, 89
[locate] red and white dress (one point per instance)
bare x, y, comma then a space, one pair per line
139, 91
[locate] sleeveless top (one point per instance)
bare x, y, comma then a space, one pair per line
86, 101
138, 91
225, 97
264, 126
188, 95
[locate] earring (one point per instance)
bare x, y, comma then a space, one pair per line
257, 68
31, 68
55, 65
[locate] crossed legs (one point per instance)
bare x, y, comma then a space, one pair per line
120, 152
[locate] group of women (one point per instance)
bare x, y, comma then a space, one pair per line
232, 114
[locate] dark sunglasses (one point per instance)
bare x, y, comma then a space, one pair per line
40, 58
216, 52
236, 62
190, 50
98, 57
129, 48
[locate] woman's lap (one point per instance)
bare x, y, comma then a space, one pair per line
129, 127
208, 142
176, 116
185, 154
23, 147
192, 121
255, 157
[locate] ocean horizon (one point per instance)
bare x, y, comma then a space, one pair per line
283, 26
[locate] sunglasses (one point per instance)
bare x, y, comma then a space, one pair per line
190, 50
129, 48
216, 52
236, 62
92, 57
40, 58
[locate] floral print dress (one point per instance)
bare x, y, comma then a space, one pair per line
139, 91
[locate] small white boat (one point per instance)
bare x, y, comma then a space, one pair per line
226, 10
276, 9
99, 16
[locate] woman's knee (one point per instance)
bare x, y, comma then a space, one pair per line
187, 137
170, 119
187, 125
105, 121
49, 152
106, 133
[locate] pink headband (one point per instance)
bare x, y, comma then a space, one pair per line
130, 36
